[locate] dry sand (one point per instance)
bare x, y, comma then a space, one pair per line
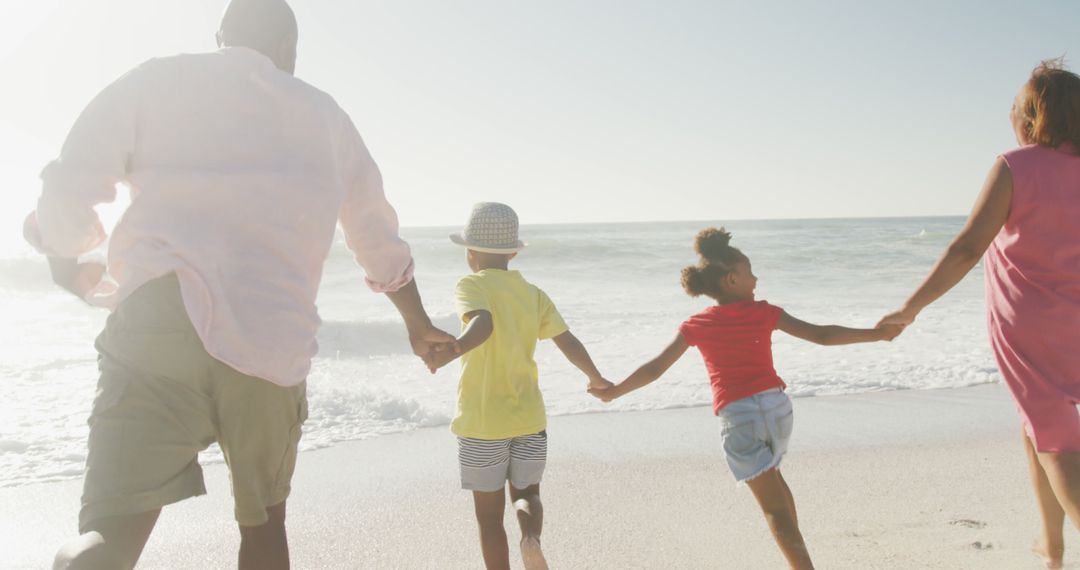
906, 480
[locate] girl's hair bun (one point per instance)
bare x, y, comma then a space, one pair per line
712, 243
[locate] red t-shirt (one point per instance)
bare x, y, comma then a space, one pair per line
736, 342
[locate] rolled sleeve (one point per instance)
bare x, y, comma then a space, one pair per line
94, 159
369, 221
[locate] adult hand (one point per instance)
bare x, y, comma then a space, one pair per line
889, 332
425, 341
441, 355
78, 278
903, 317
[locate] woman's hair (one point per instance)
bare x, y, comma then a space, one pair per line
718, 259
1049, 105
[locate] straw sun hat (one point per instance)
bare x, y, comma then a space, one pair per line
492, 228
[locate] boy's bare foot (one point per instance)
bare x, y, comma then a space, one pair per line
1051, 556
531, 554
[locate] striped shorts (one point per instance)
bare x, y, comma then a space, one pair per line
487, 464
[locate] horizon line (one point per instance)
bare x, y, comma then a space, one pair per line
702, 220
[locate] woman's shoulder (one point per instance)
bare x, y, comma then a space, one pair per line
1027, 153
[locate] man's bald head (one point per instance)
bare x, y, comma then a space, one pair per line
267, 26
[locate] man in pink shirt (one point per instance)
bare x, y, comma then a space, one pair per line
239, 173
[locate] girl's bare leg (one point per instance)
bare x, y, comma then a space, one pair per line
790, 497
772, 495
1051, 544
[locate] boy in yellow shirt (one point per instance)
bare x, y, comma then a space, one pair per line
500, 421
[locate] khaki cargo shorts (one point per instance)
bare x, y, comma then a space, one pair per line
161, 399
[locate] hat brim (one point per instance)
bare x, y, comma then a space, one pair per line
459, 239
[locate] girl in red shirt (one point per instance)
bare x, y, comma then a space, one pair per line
735, 338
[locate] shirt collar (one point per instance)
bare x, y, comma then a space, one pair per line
246, 53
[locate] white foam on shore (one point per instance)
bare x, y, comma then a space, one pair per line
617, 286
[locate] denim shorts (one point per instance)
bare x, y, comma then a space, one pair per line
755, 432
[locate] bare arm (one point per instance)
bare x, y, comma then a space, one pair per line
989, 215
575, 352
648, 372
831, 335
423, 336
476, 333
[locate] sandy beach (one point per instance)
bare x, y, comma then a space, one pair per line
905, 479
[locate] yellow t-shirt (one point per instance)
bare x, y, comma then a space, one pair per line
499, 396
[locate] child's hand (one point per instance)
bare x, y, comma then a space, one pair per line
605, 393
440, 355
599, 383
889, 332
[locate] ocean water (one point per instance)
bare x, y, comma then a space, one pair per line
617, 285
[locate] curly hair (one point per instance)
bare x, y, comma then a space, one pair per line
718, 259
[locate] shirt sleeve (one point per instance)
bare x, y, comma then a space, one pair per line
772, 315
368, 220
687, 329
551, 322
94, 158
469, 297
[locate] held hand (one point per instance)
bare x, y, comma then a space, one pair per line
78, 278
889, 332
604, 393
442, 355
430, 340
903, 317
599, 383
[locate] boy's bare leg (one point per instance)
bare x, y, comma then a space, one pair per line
109, 543
490, 508
771, 494
1051, 544
530, 515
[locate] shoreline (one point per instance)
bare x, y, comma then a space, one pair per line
897, 479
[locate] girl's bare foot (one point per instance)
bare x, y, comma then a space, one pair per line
531, 554
1051, 556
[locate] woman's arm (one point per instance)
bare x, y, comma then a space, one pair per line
831, 335
647, 373
989, 215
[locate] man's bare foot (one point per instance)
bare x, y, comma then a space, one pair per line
531, 554
1051, 556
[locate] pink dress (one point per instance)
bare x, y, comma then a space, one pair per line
1033, 294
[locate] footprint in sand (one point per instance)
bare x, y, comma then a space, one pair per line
980, 545
968, 523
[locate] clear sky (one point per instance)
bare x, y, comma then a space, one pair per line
597, 110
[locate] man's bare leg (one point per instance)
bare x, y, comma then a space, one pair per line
109, 543
530, 515
265, 547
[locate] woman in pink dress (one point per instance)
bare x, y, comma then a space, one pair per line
1027, 222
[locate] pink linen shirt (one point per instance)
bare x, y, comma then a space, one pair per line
238, 173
